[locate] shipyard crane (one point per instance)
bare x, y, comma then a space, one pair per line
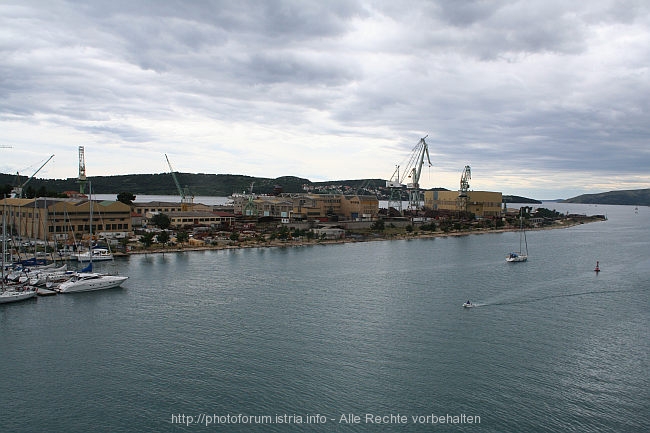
17, 191
187, 199
414, 168
464, 187
82, 171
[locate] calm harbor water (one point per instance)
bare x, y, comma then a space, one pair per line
367, 328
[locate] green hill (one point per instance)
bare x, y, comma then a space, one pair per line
632, 197
163, 184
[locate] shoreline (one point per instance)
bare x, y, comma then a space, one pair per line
380, 237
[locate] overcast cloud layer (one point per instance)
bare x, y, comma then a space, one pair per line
547, 99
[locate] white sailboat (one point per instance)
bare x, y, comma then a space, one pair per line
87, 280
522, 254
11, 292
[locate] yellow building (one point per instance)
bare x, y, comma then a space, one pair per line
200, 218
483, 204
65, 219
345, 207
309, 206
149, 208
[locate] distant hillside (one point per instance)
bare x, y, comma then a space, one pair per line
633, 197
163, 184
201, 184
518, 199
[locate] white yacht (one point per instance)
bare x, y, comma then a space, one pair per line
95, 255
89, 281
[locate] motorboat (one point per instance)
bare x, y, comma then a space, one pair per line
96, 254
90, 281
468, 304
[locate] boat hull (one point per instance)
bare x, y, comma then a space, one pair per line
515, 258
15, 296
89, 283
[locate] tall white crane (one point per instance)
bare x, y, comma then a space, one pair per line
414, 171
414, 168
464, 187
187, 199
82, 171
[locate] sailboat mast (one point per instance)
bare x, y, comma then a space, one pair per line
4, 239
90, 241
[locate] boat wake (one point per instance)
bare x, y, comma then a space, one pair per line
543, 298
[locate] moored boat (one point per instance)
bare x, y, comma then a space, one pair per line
95, 255
17, 294
90, 281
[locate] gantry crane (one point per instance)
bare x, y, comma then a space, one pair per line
17, 191
187, 199
464, 187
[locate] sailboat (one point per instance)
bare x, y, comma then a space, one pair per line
86, 280
11, 292
520, 256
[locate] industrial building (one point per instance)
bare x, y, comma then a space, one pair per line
64, 220
483, 204
322, 207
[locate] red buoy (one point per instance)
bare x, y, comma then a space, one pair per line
597, 268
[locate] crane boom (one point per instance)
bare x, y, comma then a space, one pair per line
178, 185
186, 198
17, 192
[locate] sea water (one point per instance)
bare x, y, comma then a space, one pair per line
351, 337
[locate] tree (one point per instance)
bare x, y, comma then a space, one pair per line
284, 234
163, 237
146, 239
161, 220
378, 225
182, 236
126, 198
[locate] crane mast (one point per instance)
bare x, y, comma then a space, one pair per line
464, 187
82, 171
187, 200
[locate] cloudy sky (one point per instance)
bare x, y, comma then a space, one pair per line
546, 99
